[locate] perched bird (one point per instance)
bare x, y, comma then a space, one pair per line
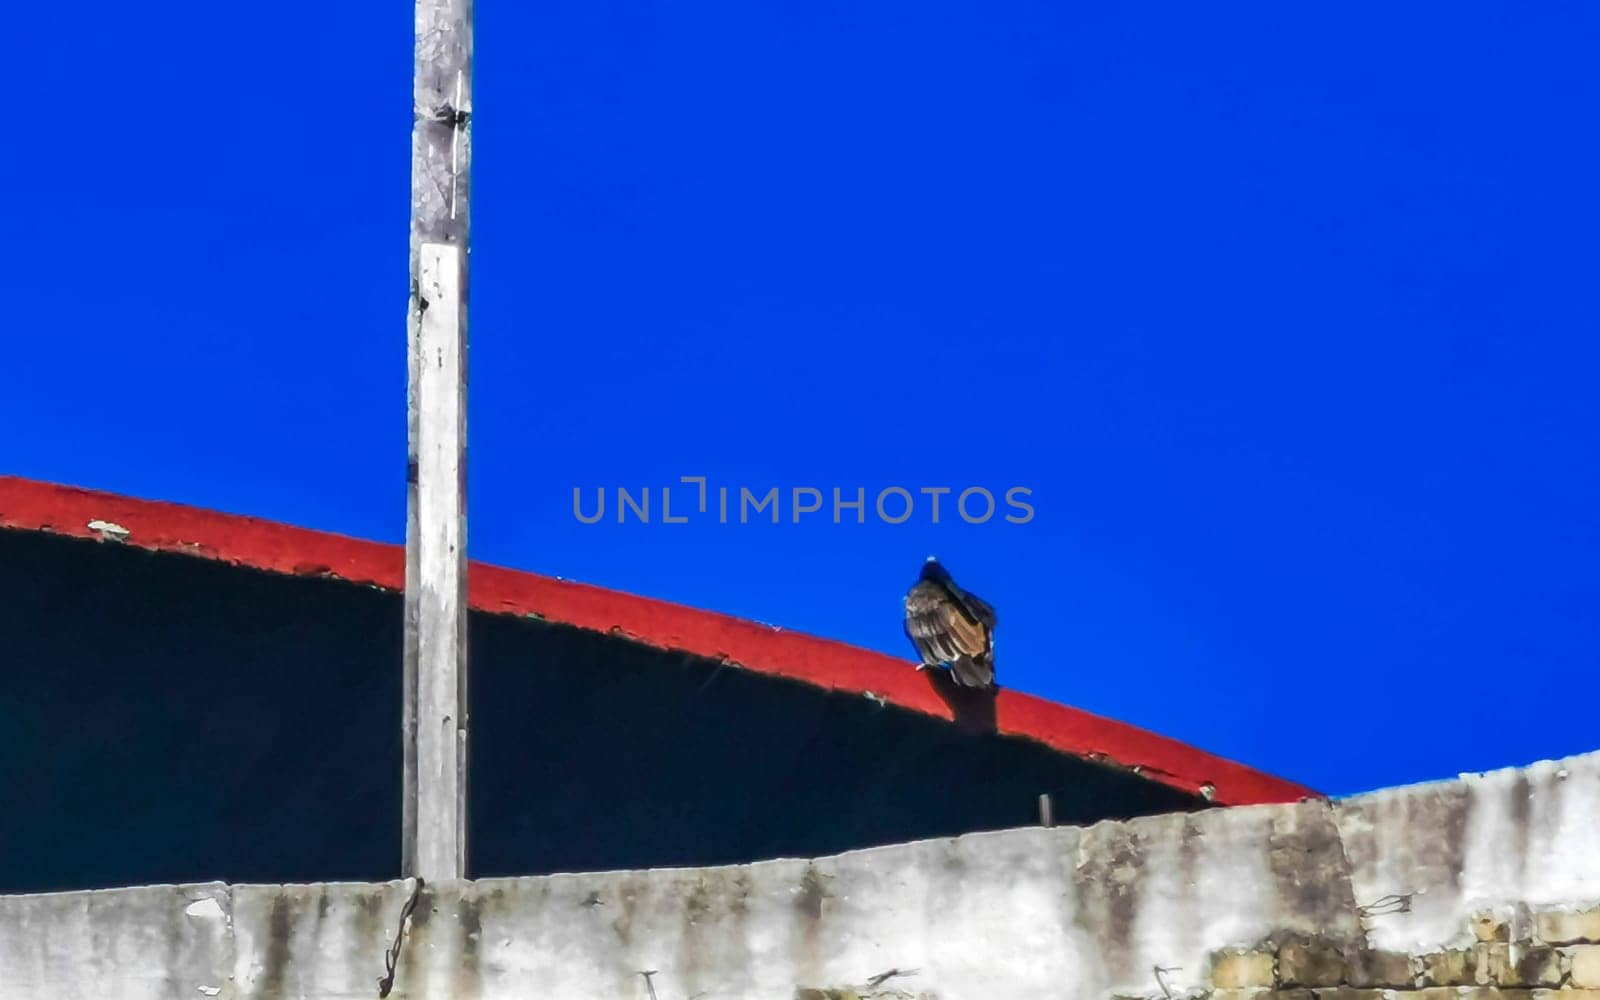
950, 627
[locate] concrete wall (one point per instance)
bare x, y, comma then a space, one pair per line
1377, 887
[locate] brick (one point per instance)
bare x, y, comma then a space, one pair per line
1507, 965
1244, 993
1488, 928
1560, 927
1538, 993
1302, 963
1492, 966
1447, 993
1583, 960
1448, 968
1232, 970
1348, 993
1475, 993
1387, 969
1535, 966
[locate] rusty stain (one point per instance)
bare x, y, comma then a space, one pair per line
1188, 850
623, 925
1106, 880
1306, 857
812, 893
276, 960
698, 903
741, 899
807, 946
1521, 812
471, 920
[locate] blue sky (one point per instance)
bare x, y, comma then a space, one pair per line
1285, 315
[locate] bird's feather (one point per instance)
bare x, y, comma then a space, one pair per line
948, 626
972, 672
976, 607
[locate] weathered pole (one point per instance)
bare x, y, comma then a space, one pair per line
434, 813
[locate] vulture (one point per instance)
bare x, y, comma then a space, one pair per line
951, 627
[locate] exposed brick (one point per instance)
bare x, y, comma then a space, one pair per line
1232, 970
1448, 993
1583, 960
1535, 966
1491, 965
1246, 993
1390, 969
1508, 965
1488, 928
1560, 927
1539, 993
1302, 963
1348, 993
1448, 968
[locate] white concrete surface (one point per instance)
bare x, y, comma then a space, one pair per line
1500, 841
1022, 914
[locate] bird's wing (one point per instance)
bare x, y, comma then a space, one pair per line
939, 627
977, 608
924, 627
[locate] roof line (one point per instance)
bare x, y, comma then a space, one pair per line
29, 505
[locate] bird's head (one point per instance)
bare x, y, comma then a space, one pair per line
932, 570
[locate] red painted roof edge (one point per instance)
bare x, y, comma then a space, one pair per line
28, 505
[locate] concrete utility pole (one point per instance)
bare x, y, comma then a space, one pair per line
434, 815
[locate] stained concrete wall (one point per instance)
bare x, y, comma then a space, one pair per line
1517, 839
1137, 908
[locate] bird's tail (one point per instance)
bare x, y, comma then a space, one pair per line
969, 672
